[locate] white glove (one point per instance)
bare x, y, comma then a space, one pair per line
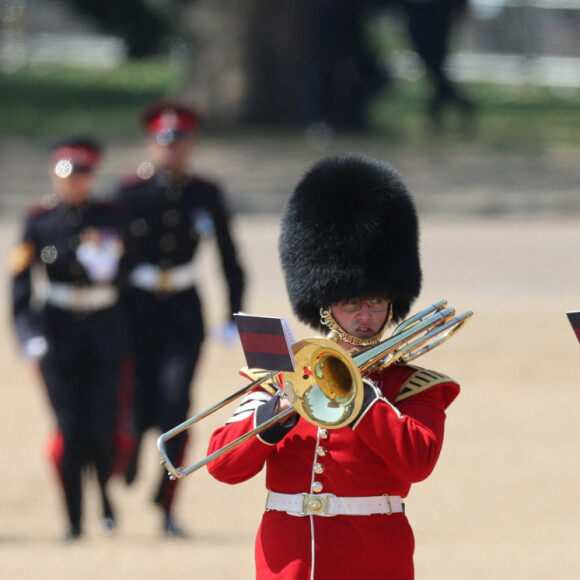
226, 332
203, 223
35, 348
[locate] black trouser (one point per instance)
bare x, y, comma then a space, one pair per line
81, 371
342, 74
168, 332
430, 26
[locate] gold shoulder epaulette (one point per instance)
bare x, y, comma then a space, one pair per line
419, 381
22, 257
272, 385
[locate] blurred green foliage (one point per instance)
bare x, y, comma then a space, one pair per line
525, 115
44, 101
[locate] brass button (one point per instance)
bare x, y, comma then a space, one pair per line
318, 468
321, 451
323, 433
317, 487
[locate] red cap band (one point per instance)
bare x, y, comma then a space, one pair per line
79, 155
172, 121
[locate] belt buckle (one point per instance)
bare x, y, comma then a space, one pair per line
78, 298
316, 505
165, 281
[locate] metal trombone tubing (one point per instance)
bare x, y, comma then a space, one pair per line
196, 418
440, 320
417, 318
181, 473
435, 325
446, 330
389, 346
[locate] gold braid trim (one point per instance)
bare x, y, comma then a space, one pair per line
419, 381
272, 385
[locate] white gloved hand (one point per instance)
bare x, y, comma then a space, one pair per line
226, 332
35, 348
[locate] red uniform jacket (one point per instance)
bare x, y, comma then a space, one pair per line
394, 443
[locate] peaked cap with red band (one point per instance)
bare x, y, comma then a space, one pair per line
169, 119
80, 151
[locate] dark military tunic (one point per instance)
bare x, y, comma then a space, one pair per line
168, 219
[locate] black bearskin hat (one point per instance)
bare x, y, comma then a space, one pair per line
350, 229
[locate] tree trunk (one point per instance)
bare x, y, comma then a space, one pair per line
213, 57
280, 61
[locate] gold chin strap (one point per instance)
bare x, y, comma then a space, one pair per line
327, 319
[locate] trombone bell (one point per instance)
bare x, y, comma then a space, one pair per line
326, 387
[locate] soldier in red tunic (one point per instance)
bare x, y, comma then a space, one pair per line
335, 503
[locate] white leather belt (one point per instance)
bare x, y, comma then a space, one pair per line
327, 504
155, 279
86, 298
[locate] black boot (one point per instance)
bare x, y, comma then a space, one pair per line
171, 528
73, 533
108, 523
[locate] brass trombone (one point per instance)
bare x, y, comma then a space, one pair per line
326, 388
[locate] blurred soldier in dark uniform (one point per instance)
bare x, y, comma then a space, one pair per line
430, 24
343, 74
170, 211
65, 274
